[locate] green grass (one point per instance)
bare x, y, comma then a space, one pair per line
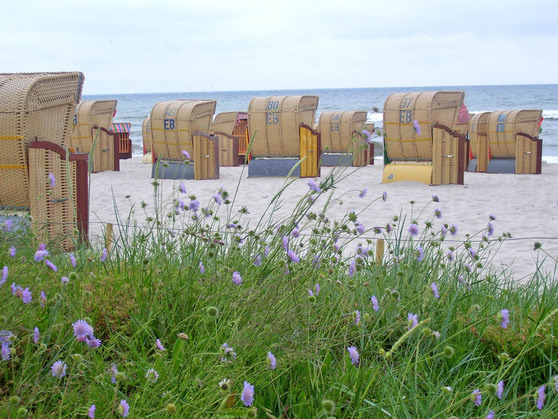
150, 287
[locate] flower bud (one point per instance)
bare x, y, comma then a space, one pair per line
212, 311
328, 406
171, 408
448, 351
14, 400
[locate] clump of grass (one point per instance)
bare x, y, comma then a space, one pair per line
200, 315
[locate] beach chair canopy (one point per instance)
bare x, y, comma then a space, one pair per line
409, 118
32, 106
337, 129
121, 127
174, 122
274, 122
91, 113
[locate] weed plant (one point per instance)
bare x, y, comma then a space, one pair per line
196, 314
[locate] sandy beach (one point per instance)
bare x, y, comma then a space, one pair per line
524, 205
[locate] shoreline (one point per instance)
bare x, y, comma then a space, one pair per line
524, 205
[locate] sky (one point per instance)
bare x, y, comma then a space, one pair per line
139, 46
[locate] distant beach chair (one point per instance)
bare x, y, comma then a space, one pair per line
121, 131
37, 175
281, 136
424, 137
232, 130
91, 134
180, 128
147, 140
343, 143
513, 143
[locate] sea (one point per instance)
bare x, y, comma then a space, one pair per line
135, 107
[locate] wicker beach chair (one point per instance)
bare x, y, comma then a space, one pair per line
91, 133
421, 140
36, 111
281, 134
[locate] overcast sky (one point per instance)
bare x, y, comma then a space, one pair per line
180, 45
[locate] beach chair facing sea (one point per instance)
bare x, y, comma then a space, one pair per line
422, 140
91, 134
232, 130
513, 143
281, 136
37, 174
181, 144
121, 132
342, 141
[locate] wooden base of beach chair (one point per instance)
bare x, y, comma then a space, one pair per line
408, 171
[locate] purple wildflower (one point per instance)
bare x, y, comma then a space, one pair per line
5, 336
13, 288
362, 193
51, 265
490, 229
295, 233
103, 255
218, 199
91, 411
353, 353
505, 318
4, 275
420, 253
152, 375
317, 261
58, 369
159, 345
8, 225
413, 229
492, 217
65, 279
12, 252
272, 360
73, 262
438, 213
36, 335
6, 351
202, 268
182, 187
93, 342
52, 180
194, 205
113, 372
293, 256
237, 279
41, 253
472, 252
500, 389
443, 230
352, 268
450, 256
367, 136
375, 304
228, 353
258, 260
314, 186
416, 126
185, 154
434, 288
357, 317
124, 407
360, 228
82, 330
541, 397
266, 251
435, 198
285, 243
26, 296
247, 394
317, 289
413, 320
490, 414
477, 397
43, 298
384, 196
453, 229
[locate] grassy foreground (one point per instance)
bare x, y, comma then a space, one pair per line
197, 315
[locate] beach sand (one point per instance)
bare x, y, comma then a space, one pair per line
524, 205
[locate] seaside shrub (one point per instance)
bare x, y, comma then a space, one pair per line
201, 313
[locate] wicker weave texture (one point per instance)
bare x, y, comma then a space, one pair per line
32, 105
174, 122
401, 110
225, 122
273, 123
53, 208
337, 128
503, 127
146, 135
478, 127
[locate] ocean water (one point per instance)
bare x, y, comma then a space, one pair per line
134, 108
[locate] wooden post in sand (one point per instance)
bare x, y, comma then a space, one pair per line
108, 236
380, 245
